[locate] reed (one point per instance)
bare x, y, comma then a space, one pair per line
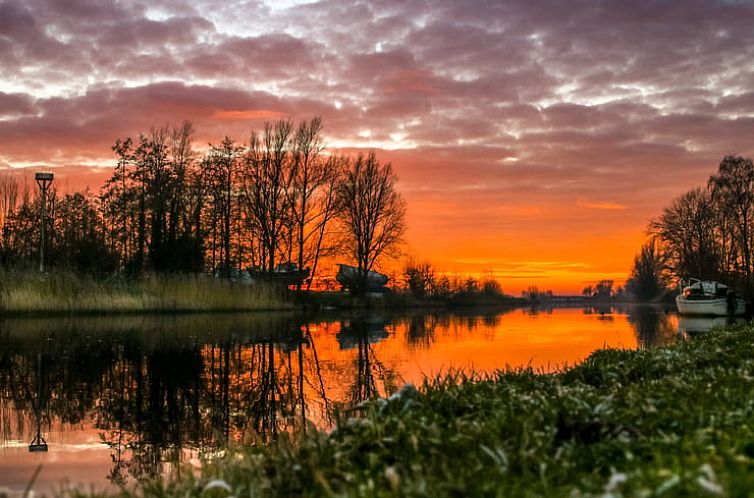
27, 293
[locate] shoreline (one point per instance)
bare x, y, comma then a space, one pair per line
64, 294
668, 421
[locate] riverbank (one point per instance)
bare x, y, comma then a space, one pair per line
669, 421
29, 293
25, 293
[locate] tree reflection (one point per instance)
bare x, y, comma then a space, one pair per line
40, 402
155, 396
360, 333
652, 325
420, 332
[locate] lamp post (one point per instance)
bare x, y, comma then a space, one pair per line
44, 179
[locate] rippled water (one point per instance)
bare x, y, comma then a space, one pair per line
119, 398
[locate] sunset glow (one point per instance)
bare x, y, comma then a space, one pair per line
532, 140
332, 357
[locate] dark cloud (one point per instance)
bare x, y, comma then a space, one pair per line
16, 22
14, 104
540, 111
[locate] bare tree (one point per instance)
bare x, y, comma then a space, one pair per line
372, 211
307, 180
222, 164
732, 190
268, 179
312, 196
687, 230
319, 239
182, 158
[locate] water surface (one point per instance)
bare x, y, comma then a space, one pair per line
120, 398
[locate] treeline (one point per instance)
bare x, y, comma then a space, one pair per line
167, 208
705, 233
423, 282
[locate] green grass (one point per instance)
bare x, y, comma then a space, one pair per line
671, 421
27, 293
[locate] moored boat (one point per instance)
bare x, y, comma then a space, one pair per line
706, 297
349, 277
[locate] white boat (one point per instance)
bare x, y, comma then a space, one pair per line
708, 298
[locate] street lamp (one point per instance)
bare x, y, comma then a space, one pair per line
44, 179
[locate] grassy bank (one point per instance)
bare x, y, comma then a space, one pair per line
27, 293
672, 421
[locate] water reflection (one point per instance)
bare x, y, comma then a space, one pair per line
40, 403
654, 325
690, 325
123, 398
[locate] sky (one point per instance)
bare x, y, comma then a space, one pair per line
533, 140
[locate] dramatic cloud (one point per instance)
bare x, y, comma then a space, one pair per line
528, 134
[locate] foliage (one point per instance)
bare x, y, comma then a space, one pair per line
648, 279
424, 284
491, 287
534, 293
420, 278
151, 204
221, 170
602, 290
75, 234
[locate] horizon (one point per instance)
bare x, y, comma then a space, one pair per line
532, 142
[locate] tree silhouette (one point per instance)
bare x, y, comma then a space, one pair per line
372, 212
648, 274
732, 190
688, 229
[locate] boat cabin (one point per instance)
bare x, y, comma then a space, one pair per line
704, 290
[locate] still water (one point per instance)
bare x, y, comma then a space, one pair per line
116, 399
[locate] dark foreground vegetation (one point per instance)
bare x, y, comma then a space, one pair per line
670, 421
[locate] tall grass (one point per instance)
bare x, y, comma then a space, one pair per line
26, 292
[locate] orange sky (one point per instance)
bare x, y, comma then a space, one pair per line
532, 140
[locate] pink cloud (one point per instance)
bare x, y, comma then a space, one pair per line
499, 114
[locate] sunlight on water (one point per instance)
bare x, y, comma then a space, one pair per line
120, 398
